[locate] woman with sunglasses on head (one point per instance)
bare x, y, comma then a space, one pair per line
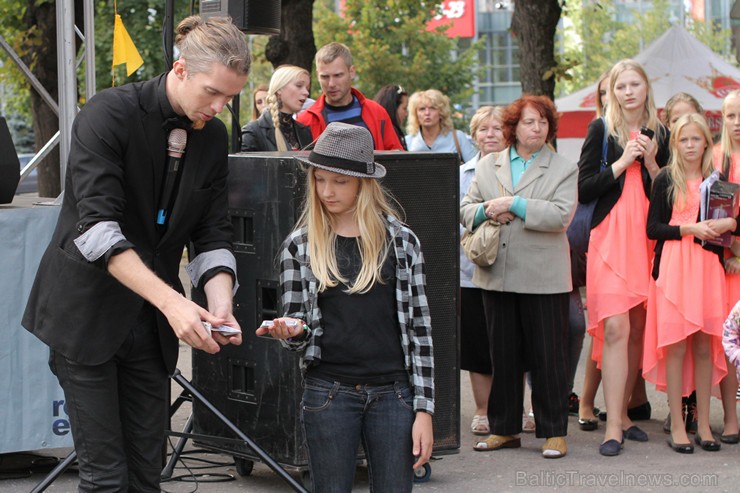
353, 294
395, 100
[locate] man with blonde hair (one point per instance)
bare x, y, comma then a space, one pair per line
107, 299
340, 102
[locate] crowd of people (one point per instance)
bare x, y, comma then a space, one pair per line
640, 259
661, 296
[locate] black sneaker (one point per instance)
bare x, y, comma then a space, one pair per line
573, 404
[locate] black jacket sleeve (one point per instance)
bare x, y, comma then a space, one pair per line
592, 180
661, 210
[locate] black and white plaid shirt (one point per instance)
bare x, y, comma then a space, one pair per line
299, 289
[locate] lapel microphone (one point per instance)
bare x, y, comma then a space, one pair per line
176, 142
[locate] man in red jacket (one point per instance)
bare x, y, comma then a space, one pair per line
340, 102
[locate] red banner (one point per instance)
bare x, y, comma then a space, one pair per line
459, 15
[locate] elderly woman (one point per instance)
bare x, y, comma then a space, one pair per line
430, 127
531, 191
488, 133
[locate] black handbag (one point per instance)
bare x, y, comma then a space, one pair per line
579, 229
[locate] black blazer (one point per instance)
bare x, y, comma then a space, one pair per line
595, 183
115, 172
659, 217
259, 135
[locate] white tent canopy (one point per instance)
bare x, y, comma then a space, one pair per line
675, 62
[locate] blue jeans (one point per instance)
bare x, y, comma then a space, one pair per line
338, 417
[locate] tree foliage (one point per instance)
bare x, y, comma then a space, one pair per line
390, 45
594, 40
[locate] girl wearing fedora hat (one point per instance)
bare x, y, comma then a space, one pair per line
353, 295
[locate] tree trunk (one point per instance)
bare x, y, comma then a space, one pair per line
295, 44
534, 22
42, 59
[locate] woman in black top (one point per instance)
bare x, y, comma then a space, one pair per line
276, 129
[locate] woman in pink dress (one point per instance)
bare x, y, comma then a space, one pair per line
619, 252
726, 156
686, 301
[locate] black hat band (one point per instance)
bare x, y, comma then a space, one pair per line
342, 163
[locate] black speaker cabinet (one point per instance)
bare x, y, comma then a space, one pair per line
10, 167
250, 16
258, 384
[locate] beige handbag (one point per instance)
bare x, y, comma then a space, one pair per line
481, 245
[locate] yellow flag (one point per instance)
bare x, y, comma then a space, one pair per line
124, 49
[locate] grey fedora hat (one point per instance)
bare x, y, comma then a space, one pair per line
345, 149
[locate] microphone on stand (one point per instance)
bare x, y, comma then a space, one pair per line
176, 142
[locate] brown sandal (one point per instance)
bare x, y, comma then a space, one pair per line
495, 442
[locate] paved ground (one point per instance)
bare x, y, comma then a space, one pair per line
648, 466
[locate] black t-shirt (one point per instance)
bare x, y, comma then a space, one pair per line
361, 342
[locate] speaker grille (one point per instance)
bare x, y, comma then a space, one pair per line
258, 384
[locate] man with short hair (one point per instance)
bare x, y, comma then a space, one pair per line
107, 299
340, 102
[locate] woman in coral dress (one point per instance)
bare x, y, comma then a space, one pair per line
686, 302
726, 156
619, 252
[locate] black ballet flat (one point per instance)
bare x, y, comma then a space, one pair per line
610, 448
588, 424
681, 448
708, 445
636, 434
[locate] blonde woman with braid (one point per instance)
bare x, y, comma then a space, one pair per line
276, 129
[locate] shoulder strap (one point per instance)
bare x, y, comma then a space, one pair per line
457, 144
604, 145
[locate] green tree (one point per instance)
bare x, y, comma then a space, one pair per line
390, 45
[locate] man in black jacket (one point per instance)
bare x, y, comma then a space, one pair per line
107, 298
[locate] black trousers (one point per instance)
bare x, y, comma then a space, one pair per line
118, 412
528, 332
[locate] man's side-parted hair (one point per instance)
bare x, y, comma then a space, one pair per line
330, 52
513, 113
201, 42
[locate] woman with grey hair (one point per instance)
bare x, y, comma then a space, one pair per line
488, 134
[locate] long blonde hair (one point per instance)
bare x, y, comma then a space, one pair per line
676, 166
284, 75
726, 139
371, 207
437, 100
615, 122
